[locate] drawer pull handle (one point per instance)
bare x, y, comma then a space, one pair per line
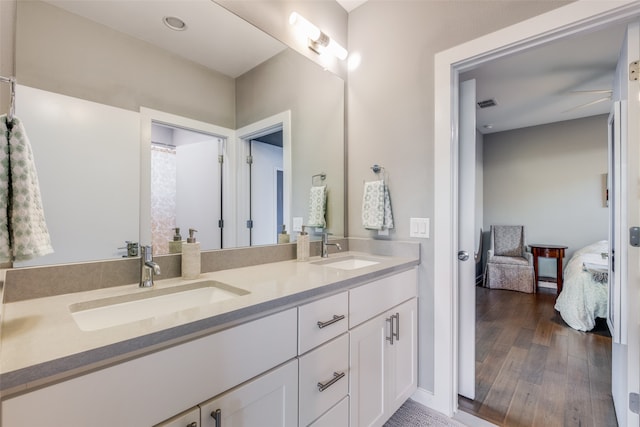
397, 332
335, 319
336, 376
217, 417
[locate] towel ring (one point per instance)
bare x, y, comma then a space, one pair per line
377, 168
322, 177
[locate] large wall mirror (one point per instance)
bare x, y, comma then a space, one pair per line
138, 128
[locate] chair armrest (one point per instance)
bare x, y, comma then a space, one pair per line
529, 257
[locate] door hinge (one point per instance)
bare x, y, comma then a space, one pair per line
634, 70
220, 158
250, 160
250, 223
634, 403
220, 223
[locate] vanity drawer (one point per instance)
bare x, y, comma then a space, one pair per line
325, 368
338, 416
322, 320
367, 301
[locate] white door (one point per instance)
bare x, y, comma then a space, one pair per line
467, 231
265, 204
199, 191
626, 304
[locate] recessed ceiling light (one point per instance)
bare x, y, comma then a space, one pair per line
489, 126
174, 23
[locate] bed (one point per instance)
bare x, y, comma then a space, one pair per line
585, 291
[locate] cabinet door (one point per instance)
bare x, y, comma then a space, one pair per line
270, 400
367, 365
402, 364
190, 418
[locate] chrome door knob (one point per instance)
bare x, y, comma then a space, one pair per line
463, 255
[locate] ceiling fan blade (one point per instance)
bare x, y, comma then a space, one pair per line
588, 104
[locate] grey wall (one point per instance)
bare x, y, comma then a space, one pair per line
391, 112
289, 81
549, 179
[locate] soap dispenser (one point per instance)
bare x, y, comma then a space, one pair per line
283, 237
302, 245
191, 257
175, 245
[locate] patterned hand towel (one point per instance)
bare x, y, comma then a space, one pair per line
317, 206
23, 230
376, 206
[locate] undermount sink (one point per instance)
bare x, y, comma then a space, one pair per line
347, 263
119, 310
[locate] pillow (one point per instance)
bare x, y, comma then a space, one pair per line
507, 240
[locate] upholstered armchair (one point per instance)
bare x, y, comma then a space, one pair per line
509, 265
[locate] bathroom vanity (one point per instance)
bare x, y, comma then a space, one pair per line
323, 343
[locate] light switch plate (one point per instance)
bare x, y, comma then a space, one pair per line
419, 227
297, 223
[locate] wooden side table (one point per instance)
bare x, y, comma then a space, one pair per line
548, 251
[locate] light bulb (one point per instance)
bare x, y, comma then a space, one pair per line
310, 30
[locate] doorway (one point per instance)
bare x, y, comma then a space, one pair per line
571, 19
187, 186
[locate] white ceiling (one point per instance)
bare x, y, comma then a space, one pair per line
242, 45
349, 5
539, 86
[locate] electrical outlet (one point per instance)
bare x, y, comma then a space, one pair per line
297, 223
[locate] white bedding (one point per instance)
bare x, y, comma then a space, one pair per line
583, 299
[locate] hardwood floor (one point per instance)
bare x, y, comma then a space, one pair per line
534, 370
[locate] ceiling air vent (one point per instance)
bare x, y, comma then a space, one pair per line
487, 103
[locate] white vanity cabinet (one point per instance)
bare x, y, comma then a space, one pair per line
383, 350
152, 388
348, 359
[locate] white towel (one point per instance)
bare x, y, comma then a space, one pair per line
317, 206
376, 206
23, 230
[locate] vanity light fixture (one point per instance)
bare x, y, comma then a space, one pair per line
319, 42
174, 23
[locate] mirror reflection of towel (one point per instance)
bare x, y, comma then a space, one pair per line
376, 206
317, 206
23, 230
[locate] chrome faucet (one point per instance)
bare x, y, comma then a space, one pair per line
148, 267
325, 243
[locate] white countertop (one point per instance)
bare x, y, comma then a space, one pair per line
41, 343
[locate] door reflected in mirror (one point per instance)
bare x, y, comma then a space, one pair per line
186, 186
